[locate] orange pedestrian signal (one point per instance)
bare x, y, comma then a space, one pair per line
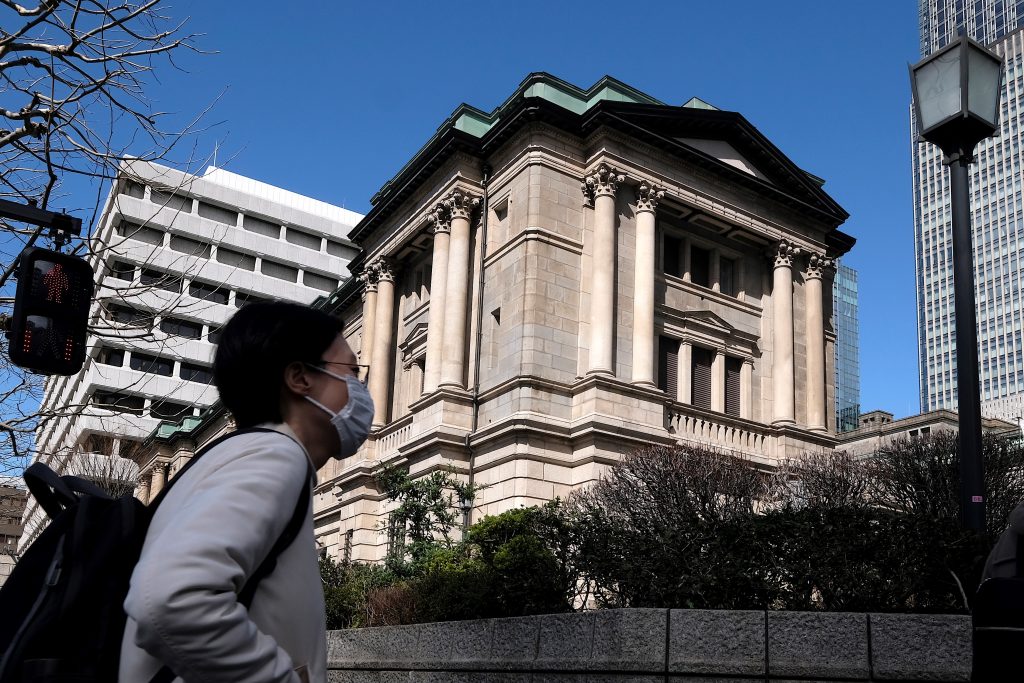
51, 312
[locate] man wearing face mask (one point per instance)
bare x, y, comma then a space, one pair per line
200, 607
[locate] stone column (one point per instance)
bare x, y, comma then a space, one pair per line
684, 372
747, 390
438, 298
718, 382
783, 378
453, 346
159, 477
369, 279
715, 270
602, 185
380, 366
816, 411
647, 198
144, 486
687, 261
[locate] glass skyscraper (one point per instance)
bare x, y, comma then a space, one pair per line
997, 215
844, 308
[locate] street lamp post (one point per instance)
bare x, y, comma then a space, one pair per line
956, 101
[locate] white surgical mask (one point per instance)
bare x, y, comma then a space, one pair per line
354, 420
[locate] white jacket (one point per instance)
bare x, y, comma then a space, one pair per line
209, 534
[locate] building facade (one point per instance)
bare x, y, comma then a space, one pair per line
175, 255
12, 507
878, 429
579, 273
997, 215
847, 324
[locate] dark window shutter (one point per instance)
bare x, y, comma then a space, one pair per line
727, 276
668, 366
672, 248
701, 386
700, 266
733, 366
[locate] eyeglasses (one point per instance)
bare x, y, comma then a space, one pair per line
362, 372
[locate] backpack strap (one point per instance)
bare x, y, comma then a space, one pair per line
55, 493
287, 537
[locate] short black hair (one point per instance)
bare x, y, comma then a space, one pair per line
256, 346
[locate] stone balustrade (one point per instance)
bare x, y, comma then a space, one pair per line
715, 430
656, 645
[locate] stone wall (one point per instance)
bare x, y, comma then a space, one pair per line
653, 645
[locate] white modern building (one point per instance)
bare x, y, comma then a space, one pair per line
175, 256
997, 216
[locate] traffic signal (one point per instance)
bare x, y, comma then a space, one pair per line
51, 312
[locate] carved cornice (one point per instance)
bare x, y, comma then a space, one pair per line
817, 265
602, 182
648, 196
460, 204
783, 254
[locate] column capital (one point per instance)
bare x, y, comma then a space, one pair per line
817, 265
368, 278
783, 254
439, 219
460, 204
648, 196
384, 268
604, 181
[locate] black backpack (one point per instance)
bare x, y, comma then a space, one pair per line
61, 610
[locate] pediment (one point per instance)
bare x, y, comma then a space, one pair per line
724, 152
707, 320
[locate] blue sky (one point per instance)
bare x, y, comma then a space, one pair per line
330, 98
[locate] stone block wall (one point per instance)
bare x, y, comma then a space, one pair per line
655, 645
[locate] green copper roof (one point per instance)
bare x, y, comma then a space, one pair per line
477, 123
167, 429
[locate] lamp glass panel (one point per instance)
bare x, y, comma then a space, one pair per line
983, 80
938, 88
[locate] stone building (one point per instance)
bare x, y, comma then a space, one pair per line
12, 506
878, 429
579, 273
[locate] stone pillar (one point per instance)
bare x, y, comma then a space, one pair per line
602, 185
647, 198
747, 390
684, 372
783, 377
380, 366
369, 279
144, 486
453, 346
715, 271
816, 410
159, 479
438, 298
718, 382
687, 261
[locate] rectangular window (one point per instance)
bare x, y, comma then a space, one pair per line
338, 249
701, 377
700, 266
169, 410
236, 259
733, 366
279, 270
120, 270
121, 403
127, 314
672, 249
727, 276
141, 233
243, 298
218, 213
213, 334
190, 246
303, 239
321, 282
194, 372
154, 365
169, 200
172, 283
133, 189
208, 292
261, 227
109, 356
181, 328
668, 366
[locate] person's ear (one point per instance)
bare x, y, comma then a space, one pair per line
296, 378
